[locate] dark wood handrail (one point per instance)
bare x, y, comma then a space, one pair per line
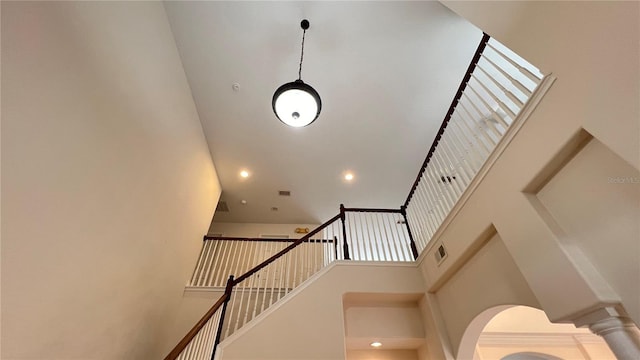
196, 328
233, 238
447, 118
284, 251
371, 210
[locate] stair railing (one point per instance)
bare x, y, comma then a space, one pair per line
249, 296
357, 234
222, 256
205, 334
258, 289
495, 89
374, 235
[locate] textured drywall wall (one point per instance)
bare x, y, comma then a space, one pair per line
595, 199
107, 181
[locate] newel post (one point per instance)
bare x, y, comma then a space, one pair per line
227, 294
344, 233
414, 249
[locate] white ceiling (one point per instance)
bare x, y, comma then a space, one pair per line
386, 72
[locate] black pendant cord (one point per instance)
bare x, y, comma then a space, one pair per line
304, 31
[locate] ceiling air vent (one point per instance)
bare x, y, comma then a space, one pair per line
222, 206
284, 193
440, 254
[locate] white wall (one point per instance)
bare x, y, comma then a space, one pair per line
309, 324
595, 199
388, 321
488, 279
254, 230
382, 355
394, 320
107, 182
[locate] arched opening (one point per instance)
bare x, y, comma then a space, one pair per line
511, 332
467, 347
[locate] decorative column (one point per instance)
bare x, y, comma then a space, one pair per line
619, 332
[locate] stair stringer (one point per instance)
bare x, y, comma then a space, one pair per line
309, 322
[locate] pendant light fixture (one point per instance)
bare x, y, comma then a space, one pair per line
297, 104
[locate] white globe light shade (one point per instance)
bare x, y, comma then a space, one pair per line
296, 104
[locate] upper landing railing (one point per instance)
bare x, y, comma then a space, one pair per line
495, 91
361, 234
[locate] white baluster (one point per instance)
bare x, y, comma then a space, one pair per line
517, 102
462, 142
421, 218
434, 178
495, 97
515, 82
366, 236
535, 76
457, 158
416, 215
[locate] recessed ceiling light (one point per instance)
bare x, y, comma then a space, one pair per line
348, 176
376, 344
244, 173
